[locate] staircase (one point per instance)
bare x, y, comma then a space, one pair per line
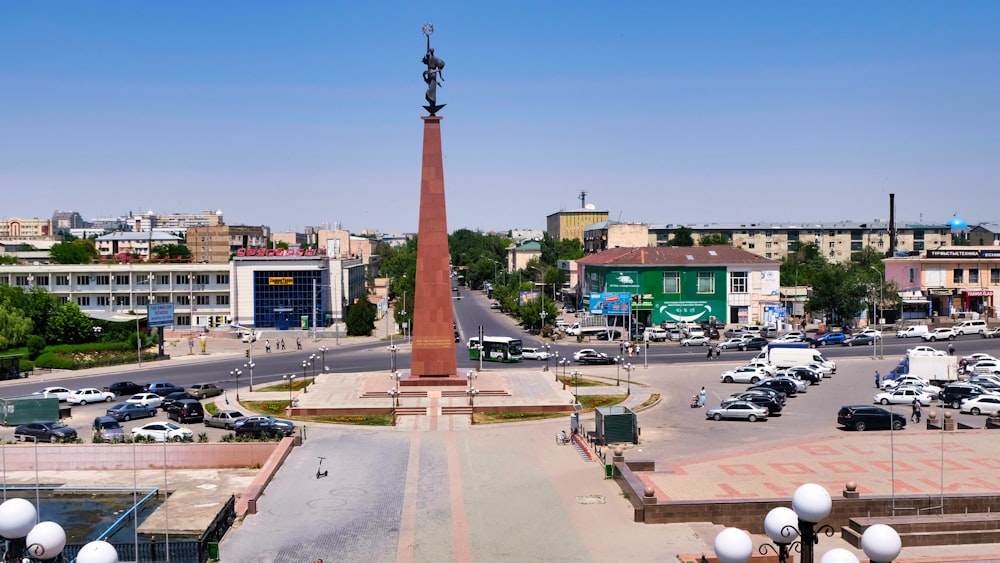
931, 529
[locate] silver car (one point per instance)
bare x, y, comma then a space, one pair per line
739, 410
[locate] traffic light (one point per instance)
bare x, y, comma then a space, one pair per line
211, 322
246, 352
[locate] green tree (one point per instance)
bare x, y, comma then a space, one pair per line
177, 252
802, 265
15, 328
69, 326
549, 253
838, 291
79, 251
569, 249
714, 239
682, 236
360, 318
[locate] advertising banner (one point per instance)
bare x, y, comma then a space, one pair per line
682, 311
625, 281
526, 296
160, 314
610, 303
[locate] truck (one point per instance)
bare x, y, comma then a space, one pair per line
786, 355
936, 369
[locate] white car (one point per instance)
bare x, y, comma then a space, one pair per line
977, 357
940, 333
925, 351
60, 393
793, 336
904, 396
89, 395
876, 334
162, 431
146, 400
822, 369
905, 380
981, 404
743, 374
986, 367
535, 354
696, 341
581, 353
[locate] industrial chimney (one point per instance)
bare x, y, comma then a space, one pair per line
892, 226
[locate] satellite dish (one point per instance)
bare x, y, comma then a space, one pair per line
590, 206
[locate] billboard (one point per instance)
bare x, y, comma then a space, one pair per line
623, 281
527, 296
160, 314
682, 311
610, 303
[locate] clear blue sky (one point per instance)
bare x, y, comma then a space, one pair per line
304, 113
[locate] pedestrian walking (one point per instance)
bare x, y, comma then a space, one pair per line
709, 354
282, 343
951, 349
718, 351
298, 343
267, 346
701, 397
915, 416
190, 344
878, 380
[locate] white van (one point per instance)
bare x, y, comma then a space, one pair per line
915, 331
655, 333
971, 327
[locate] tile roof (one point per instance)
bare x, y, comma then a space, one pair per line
675, 256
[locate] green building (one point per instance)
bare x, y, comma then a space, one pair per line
681, 283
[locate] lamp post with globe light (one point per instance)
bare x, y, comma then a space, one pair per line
32, 541
323, 350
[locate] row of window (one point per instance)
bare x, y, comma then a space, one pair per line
706, 282
120, 280
142, 300
958, 275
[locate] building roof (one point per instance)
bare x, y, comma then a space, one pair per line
988, 227
805, 225
143, 236
675, 256
527, 246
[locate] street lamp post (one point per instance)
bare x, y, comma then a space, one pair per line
576, 383
618, 370
796, 528
542, 315
562, 363
628, 370
545, 348
878, 339
290, 378
31, 541
249, 366
235, 374
323, 350
392, 357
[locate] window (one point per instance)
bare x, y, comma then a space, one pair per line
103, 301
21, 280
201, 300
103, 279
737, 282
671, 282
122, 301
142, 300
183, 320
751, 245
767, 244
183, 300
956, 276
201, 279
222, 300
222, 279
83, 301
912, 274
856, 246
706, 282
63, 300
793, 235
62, 280
994, 275
767, 255
82, 280
183, 279
918, 245
918, 234
42, 280
832, 245
163, 299
974, 276
163, 279
121, 280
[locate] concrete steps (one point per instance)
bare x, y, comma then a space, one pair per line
466, 410
411, 411
931, 529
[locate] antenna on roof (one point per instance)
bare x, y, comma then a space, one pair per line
583, 199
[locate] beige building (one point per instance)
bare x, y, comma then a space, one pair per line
946, 281
836, 240
25, 229
518, 255
216, 244
986, 234
132, 244
571, 224
608, 234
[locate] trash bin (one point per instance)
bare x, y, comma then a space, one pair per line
609, 471
213, 551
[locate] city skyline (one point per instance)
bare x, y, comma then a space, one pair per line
663, 113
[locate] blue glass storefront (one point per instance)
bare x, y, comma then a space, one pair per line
283, 298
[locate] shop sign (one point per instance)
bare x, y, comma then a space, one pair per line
978, 292
610, 303
280, 281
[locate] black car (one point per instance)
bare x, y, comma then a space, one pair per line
171, 398
812, 376
786, 386
753, 343
859, 340
162, 388
761, 399
869, 417
596, 359
259, 429
44, 431
186, 410
777, 394
126, 388
953, 394
609, 335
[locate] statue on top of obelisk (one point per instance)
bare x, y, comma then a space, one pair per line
432, 76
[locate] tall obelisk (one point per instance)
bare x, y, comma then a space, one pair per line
433, 357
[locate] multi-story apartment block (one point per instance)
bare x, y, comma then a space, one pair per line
518, 255
16, 229
132, 244
571, 224
216, 244
946, 281
66, 220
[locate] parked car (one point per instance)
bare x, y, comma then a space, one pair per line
121, 388
107, 428
596, 358
954, 393
226, 419
60, 393
903, 396
44, 431
982, 404
162, 388
986, 367
777, 394
743, 374
90, 395
940, 333
162, 432
186, 410
869, 417
759, 398
800, 385
128, 411
791, 337
151, 400
260, 429
987, 381
675, 335
828, 338
859, 340
206, 390
786, 386
925, 351
753, 343
286, 425
171, 398
740, 410
696, 341
805, 374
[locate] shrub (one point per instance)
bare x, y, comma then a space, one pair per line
36, 344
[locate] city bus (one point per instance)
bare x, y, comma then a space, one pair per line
497, 349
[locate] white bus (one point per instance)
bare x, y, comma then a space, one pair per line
496, 349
